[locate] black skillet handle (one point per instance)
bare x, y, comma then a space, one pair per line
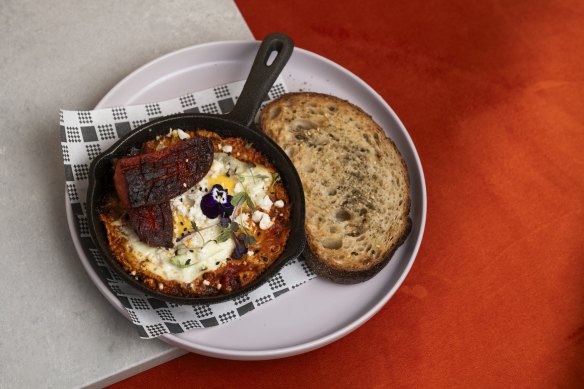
261, 77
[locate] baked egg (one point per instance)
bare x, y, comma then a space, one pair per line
204, 247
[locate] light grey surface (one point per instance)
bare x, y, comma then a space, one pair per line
56, 328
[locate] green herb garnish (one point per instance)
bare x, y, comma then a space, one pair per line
198, 231
275, 178
248, 240
224, 235
242, 177
242, 197
176, 262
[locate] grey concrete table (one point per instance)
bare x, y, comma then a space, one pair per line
56, 328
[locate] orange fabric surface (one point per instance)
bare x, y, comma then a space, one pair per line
492, 93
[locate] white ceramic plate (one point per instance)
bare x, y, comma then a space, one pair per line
319, 312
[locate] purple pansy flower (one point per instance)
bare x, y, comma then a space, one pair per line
217, 203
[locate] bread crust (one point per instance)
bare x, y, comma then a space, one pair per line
277, 120
346, 276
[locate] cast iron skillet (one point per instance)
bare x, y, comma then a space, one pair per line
237, 123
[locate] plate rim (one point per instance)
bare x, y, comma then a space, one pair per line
278, 352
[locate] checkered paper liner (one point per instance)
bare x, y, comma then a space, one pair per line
84, 135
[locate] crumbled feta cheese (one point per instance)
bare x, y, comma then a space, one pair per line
266, 222
195, 213
279, 203
265, 203
182, 134
244, 220
160, 286
180, 206
217, 168
207, 283
250, 253
238, 188
257, 216
227, 148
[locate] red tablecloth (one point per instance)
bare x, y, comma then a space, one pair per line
492, 94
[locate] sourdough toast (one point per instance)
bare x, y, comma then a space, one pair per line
355, 182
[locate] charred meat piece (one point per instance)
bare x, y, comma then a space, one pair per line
153, 223
152, 178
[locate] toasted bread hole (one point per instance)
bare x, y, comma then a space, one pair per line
333, 230
303, 124
332, 108
332, 243
332, 192
274, 112
308, 169
342, 215
354, 253
354, 231
290, 151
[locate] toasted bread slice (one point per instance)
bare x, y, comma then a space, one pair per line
355, 182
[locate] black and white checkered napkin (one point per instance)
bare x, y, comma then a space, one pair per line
84, 135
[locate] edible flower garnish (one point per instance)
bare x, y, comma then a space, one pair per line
217, 202
240, 247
